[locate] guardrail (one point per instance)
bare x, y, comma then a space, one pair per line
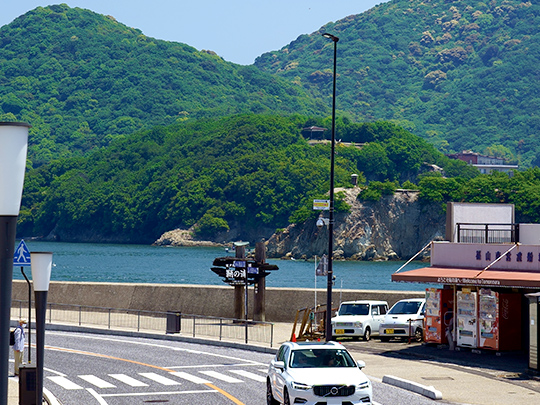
154, 322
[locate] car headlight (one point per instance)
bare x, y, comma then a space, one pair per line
358, 324
363, 385
300, 386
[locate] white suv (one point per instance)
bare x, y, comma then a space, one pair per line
359, 318
405, 319
313, 373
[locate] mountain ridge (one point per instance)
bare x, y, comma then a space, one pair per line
82, 79
460, 74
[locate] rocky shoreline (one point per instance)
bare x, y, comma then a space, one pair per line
394, 228
184, 237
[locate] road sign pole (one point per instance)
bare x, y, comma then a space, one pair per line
29, 316
21, 257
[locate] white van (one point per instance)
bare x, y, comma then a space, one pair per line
358, 318
405, 319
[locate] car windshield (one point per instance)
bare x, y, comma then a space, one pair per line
405, 307
354, 309
309, 358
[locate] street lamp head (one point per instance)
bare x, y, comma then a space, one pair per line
41, 263
13, 147
330, 36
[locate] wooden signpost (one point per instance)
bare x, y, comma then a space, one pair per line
240, 272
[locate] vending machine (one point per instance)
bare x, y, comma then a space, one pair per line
499, 316
438, 318
466, 318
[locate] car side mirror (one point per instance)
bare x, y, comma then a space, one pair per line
336, 313
361, 364
279, 364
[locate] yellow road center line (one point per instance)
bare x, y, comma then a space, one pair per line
106, 356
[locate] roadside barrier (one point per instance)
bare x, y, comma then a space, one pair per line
153, 322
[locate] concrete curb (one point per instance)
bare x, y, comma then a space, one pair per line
424, 390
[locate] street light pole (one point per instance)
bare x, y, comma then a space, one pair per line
13, 148
328, 326
41, 263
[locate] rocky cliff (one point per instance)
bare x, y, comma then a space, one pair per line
396, 227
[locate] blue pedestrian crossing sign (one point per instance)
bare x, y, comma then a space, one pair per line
22, 255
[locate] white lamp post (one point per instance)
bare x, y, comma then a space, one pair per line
41, 263
13, 148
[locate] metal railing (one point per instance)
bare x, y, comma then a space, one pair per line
154, 322
487, 233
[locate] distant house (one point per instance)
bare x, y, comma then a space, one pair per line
314, 132
486, 164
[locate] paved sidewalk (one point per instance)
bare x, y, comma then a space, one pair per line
461, 377
13, 391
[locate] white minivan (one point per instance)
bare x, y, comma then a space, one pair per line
405, 319
358, 319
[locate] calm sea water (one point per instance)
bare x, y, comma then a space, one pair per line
114, 263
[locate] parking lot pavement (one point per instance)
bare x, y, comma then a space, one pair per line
462, 376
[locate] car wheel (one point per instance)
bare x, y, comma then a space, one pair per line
418, 335
286, 398
270, 400
367, 334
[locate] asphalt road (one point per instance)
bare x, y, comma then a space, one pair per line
96, 369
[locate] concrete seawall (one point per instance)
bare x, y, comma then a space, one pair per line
281, 303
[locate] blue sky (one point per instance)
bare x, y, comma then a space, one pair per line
237, 30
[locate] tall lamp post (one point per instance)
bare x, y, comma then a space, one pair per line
328, 326
41, 263
13, 148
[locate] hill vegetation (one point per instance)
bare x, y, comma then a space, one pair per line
82, 79
461, 74
522, 190
134, 136
247, 173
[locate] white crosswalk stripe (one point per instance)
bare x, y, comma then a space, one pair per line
250, 375
65, 383
98, 382
190, 377
221, 377
128, 380
159, 379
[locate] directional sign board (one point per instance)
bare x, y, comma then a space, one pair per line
322, 205
22, 255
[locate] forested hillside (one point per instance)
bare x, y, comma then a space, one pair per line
82, 79
250, 173
134, 136
461, 74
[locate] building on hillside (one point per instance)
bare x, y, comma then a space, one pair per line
489, 272
313, 132
486, 164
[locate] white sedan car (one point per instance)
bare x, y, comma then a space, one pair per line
313, 373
